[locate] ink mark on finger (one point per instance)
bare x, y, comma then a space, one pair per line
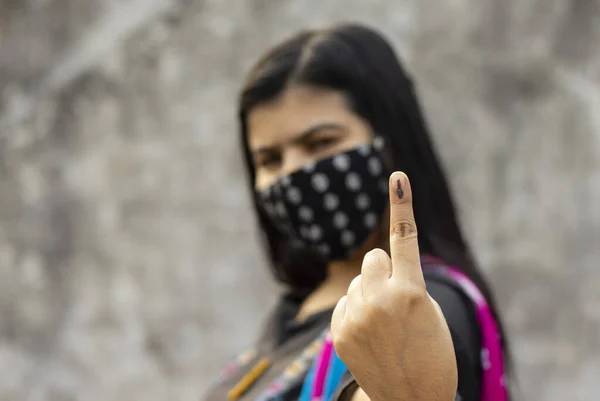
399, 191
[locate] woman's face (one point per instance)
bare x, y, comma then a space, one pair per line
305, 124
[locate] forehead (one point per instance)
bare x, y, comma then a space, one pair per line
296, 109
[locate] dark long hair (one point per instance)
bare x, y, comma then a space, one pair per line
358, 62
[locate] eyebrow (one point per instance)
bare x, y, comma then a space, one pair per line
303, 135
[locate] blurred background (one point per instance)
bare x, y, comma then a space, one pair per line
130, 266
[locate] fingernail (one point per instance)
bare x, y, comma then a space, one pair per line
399, 190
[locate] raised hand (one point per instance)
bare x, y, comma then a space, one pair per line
387, 329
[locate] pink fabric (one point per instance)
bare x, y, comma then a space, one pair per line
322, 368
492, 362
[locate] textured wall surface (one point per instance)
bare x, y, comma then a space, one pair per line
129, 265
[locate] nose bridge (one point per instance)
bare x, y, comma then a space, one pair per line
293, 159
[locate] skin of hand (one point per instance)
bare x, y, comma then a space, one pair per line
387, 329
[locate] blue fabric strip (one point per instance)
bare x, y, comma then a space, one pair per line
336, 371
308, 383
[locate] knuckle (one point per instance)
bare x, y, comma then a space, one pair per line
340, 343
378, 309
411, 295
414, 294
403, 229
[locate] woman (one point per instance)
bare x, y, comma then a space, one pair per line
325, 118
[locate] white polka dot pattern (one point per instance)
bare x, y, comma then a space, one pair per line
364, 150
305, 214
309, 168
362, 201
374, 166
324, 249
320, 182
285, 180
340, 220
347, 238
370, 220
331, 202
341, 162
294, 195
330, 206
316, 232
353, 181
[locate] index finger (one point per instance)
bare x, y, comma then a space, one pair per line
404, 243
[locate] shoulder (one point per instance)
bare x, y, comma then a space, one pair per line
458, 309
459, 312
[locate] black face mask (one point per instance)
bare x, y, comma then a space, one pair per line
333, 205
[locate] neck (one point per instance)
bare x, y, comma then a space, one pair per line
341, 273
339, 276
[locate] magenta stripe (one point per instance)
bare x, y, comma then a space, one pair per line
493, 388
322, 367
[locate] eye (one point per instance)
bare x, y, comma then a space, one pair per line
322, 143
269, 160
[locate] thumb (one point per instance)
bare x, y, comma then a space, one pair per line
338, 315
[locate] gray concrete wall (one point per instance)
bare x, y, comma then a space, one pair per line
129, 265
